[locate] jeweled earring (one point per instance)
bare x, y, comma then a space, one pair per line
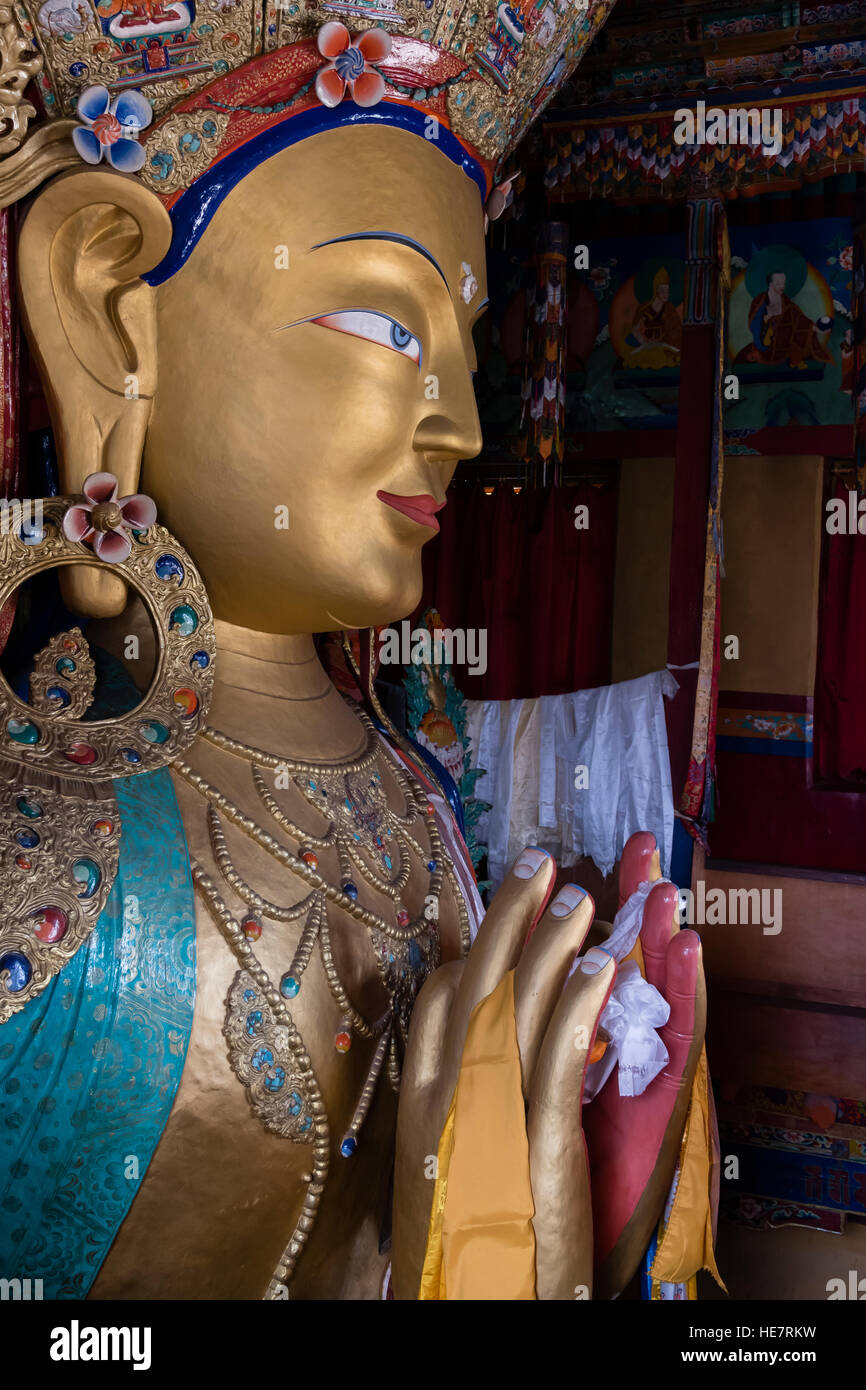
59, 822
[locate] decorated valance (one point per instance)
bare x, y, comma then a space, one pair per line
637, 155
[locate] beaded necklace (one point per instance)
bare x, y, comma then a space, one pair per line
373, 840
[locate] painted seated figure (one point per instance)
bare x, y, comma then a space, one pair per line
225, 888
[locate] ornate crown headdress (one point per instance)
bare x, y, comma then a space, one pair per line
195, 83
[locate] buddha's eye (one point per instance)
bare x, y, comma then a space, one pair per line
376, 328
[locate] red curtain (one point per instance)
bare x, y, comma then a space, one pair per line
840, 689
516, 564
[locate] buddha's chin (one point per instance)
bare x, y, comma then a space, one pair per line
392, 592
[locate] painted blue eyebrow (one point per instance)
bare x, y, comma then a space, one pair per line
386, 236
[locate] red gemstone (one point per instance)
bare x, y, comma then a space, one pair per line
252, 929
102, 827
53, 922
402, 917
23, 863
310, 859
342, 1042
81, 753
430, 809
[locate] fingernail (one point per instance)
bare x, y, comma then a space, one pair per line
529, 862
566, 900
595, 959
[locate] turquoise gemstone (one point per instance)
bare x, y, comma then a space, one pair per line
388, 861
184, 619
293, 1105
64, 666
86, 872
153, 731
22, 731
305, 1124
289, 986
31, 809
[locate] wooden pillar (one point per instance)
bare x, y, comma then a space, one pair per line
705, 218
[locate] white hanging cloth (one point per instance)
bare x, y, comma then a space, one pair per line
577, 774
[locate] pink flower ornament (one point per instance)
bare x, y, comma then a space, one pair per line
349, 65
105, 521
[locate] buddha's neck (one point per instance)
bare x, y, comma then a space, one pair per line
272, 692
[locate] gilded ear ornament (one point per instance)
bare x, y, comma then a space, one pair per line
60, 828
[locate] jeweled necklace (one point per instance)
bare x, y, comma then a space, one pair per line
266, 1051
367, 832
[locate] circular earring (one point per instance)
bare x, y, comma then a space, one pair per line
60, 826
49, 734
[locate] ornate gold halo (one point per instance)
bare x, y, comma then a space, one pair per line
172, 712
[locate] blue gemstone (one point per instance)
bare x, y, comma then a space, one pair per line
130, 755
431, 865
348, 1146
249, 994
20, 970
169, 567
27, 839
350, 890
289, 986
59, 697
199, 659
416, 960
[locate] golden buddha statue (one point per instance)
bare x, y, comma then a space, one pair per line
255, 335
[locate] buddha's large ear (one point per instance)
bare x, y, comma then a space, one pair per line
91, 323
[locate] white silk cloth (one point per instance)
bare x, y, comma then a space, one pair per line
532, 751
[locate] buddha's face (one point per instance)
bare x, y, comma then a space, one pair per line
314, 368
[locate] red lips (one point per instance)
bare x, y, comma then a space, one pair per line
422, 509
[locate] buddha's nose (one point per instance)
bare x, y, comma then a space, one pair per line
449, 436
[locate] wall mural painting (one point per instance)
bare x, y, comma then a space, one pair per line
629, 376
790, 335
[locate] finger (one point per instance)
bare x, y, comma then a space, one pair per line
657, 928
543, 969
683, 1034
639, 863
496, 949
418, 1128
428, 1025
557, 1153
